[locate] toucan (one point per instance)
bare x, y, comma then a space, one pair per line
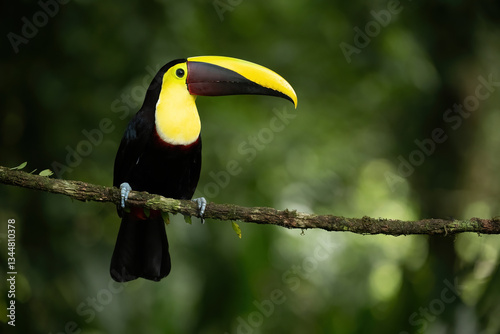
160, 151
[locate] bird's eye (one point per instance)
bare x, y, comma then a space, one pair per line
179, 73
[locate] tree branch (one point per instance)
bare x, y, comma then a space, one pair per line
291, 219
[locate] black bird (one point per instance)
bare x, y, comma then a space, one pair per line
160, 151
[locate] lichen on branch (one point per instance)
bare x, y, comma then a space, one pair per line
83, 191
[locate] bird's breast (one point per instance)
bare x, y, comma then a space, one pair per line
176, 117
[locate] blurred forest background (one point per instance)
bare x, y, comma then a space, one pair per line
398, 117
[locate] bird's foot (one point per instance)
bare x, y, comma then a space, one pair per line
202, 204
125, 189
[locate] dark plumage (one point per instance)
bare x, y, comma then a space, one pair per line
161, 151
149, 164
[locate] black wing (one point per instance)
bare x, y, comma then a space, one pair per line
134, 141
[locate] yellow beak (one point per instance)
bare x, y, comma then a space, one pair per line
217, 76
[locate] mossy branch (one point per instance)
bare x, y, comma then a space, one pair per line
291, 219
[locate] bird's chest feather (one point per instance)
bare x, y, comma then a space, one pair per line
176, 117
169, 170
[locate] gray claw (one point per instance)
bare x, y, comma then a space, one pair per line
125, 189
202, 204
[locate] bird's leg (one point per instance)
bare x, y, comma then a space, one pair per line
202, 204
125, 189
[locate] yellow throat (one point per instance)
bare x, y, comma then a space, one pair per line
176, 116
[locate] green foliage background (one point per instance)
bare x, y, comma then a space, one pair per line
340, 152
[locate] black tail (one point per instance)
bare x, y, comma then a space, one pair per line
141, 249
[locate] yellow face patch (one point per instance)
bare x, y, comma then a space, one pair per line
177, 120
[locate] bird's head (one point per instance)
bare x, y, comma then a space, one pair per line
179, 83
